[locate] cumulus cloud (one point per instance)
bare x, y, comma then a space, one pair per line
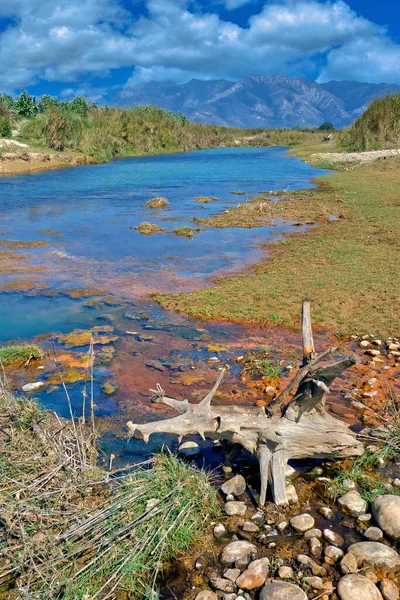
74, 41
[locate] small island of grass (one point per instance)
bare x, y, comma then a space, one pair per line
11, 355
158, 202
147, 228
188, 232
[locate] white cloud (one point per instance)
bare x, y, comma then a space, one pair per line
72, 41
232, 4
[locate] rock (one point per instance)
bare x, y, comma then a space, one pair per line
333, 537
258, 517
371, 576
364, 518
282, 526
326, 512
373, 533
364, 344
315, 583
232, 574
305, 560
389, 590
289, 471
353, 503
315, 547
313, 533
32, 387
281, 590
386, 511
229, 597
254, 576
355, 586
375, 554
189, 449
219, 531
206, 595
302, 523
332, 554
237, 551
291, 494
235, 486
285, 572
348, 564
222, 585
349, 484
235, 508
250, 527
230, 498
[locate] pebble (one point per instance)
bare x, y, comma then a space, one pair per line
389, 590
315, 583
312, 533
290, 471
206, 595
219, 531
355, 586
373, 533
285, 572
282, 590
386, 511
250, 527
375, 554
333, 537
332, 554
240, 550
32, 387
349, 484
222, 585
282, 526
189, 449
232, 574
326, 512
255, 575
315, 547
291, 494
353, 503
235, 486
235, 508
364, 518
348, 564
230, 498
258, 517
302, 523
364, 344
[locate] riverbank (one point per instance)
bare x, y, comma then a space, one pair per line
347, 263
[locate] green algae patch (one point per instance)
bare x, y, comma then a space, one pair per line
237, 193
22, 245
348, 267
50, 232
70, 375
188, 232
14, 355
205, 199
109, 388
83, 337
147, 228
158, 202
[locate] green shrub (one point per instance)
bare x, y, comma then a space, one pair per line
378, 127
326, 126
18, 354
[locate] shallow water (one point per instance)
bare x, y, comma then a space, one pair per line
86, 216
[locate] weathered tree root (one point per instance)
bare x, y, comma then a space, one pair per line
300, 428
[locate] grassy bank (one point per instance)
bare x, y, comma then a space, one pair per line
69, 530
347, 266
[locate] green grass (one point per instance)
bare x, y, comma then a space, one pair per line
147, 228
184, 231
258, 364
353, 259
158, 202
205, 199
10, 355
363, 472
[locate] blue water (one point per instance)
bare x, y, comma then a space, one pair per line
94, 210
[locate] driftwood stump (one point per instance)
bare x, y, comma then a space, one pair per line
299, 428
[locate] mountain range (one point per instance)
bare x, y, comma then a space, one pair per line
258, 101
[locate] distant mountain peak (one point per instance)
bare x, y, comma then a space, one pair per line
258, 100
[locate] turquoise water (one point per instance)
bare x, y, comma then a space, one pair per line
90, 214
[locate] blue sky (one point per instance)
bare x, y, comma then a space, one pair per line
93, 47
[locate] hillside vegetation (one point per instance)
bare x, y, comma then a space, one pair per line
105, 133
378, 127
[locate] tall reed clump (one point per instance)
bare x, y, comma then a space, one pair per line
70, 529
378, 127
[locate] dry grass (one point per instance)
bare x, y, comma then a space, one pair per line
158, 202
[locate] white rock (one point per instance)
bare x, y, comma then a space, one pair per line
373, 533
282, 590
235, 508
235, 486
353, 503
332, 554
349, 484
254, 576
302, 523
285, 572
32, 387
386, 511
189, 449
206, 595
219, 531
375, 554
351, 587
291, 494
333, 537
240, 550
326, 512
